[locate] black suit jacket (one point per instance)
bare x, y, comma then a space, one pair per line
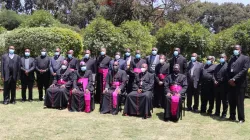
237, 69
182, 61
196, 73
32, 66
5, 73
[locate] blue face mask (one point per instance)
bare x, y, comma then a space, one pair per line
222, 60
154, 52
176, 53
102, 53
127, 54
11, 51
57, 53
86, 55
43, 53
209, 62
193, 59
137, 56
27, 54
236, 52
70, 56
83, 68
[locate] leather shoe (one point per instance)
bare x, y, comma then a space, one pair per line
241, 121
232, 118
189, 109
5, 103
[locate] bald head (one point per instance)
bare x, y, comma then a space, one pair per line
116, 66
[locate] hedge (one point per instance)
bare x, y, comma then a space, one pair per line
50, 38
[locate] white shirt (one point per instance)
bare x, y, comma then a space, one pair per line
11, 56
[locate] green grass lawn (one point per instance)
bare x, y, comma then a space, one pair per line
31, 121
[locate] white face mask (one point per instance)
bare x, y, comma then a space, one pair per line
64, 67
143, 69
117, 57
162, 61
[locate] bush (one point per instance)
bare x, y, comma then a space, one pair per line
2, 29
50, 38
137, 36
189, 38
40, 18
102, 33
10, 19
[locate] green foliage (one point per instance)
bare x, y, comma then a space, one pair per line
238, 34
40, 18
189, 38
49, 38
102, 33
137, 36
10, 19
2, 29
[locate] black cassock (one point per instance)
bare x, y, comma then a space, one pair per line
73, 62
237, 69
107, 100
102, 67
140, 104
77, 101
161, 71
57, 97
135, 64
181, 60
181, 80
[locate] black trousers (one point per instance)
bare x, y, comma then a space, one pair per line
191, 91
42, 82
9, 87
159, 96
236, 99
27, 83
221, 97
207, 95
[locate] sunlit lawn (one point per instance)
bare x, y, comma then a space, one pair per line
31, 121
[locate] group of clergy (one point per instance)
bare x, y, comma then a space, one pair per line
141, 83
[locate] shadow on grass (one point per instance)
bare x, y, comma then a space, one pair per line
160, 115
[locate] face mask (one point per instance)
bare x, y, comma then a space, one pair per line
176, 71
162, 61
176, 53
11, 51
137, 56
115, 68
193, 59
57, 53
102, 53
222, 60
117, 57
70, 56
209, 62
64, 67
154, 52
83, 68
43, 53
143, 69
27, 54
236, 52
86, 55
127, 54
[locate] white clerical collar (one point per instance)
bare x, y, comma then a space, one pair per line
11, 56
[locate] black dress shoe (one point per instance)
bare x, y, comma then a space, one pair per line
195, 110
5, 103
216, 115
189, 109
223, 116
14, 102
232, 118
241, 121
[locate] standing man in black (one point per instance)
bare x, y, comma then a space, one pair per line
237, 72
221, 86
193, 77
27, 74
207, 86
153, 60
90, 63
10, 68
42, 72
178, 59
56, 63
72, 61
